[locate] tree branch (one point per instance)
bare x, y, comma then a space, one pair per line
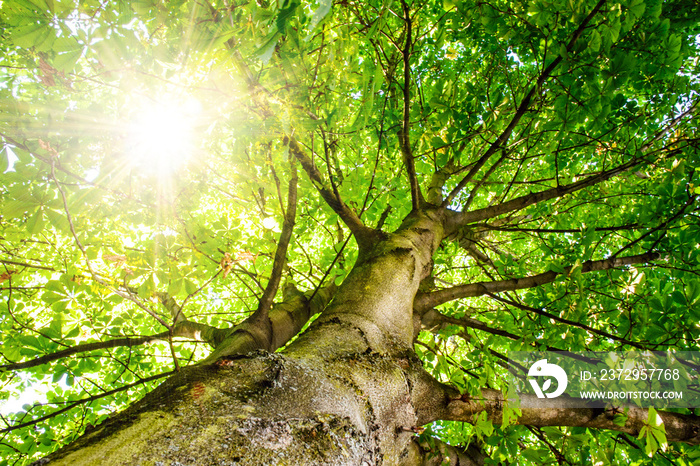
83, 348
404, 134
433, 318
73, 404
561, 412
487, 226
587, 328
660, 226
22, 264
435, 298
437, 181
184, 329
172, 306
286, 320
455, 220
362, 233
265, 302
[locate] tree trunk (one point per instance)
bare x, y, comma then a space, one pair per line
352, 408
349, 391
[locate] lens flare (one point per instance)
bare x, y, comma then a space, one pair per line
161, 136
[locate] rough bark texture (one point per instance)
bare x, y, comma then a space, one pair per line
263, 409
348, 391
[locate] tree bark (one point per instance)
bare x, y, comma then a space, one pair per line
349, 390
333, 406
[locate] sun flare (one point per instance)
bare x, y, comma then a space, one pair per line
161, 135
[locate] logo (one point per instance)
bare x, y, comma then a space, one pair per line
542, 368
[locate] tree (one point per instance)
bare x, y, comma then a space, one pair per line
368, 205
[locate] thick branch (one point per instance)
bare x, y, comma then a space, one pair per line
429, 300
560, 412
286, 320
172, 306
196, 331
437, 182
459, 219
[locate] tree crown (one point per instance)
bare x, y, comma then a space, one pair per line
177, 169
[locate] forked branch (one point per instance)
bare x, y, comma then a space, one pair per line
362, 233
456, 220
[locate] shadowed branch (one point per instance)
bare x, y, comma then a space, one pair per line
280, 260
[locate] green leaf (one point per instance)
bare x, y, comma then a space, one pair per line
31, 35
264, 52
637, 8
285, 14
324, 7
190, 287
595, 41
174, 287
654, 433
66, 61
36, 222
484, 427
43, 5
620, 420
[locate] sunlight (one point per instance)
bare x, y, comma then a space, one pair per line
161, 137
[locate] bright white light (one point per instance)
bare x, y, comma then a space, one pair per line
29, 396
269, 223
161, 137
33, 393
11, 159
